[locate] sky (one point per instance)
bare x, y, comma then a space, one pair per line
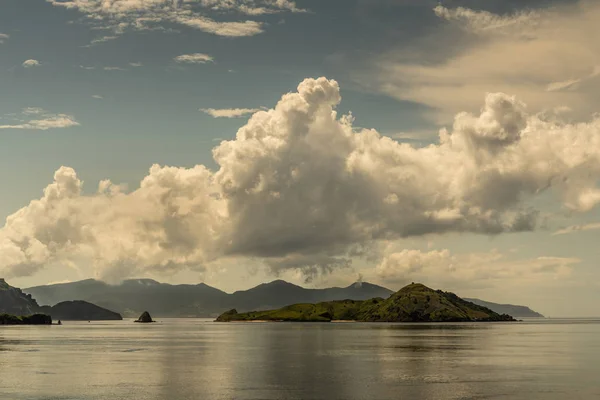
234, 142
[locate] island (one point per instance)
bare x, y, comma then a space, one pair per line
79, 310
413, 303
35, 319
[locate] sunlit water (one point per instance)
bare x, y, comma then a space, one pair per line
178, 359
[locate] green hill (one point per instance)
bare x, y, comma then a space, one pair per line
413, 303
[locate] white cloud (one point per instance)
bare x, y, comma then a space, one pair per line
253, 7
113, 69
97, 96
300, 188
136, 64
155, 14
229, 112
87, 67
230, 29
102, 39
578, 228
195, 58
31, 63
44, 120
3, 37
548, 58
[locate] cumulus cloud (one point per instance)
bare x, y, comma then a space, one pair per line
301, 188
31, 63
3, 37
195, 58
441, 268
43, 120
229, 112
121, 15
548, 58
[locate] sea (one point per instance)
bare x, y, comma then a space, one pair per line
197, 359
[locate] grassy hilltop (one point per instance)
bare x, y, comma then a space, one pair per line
413, 303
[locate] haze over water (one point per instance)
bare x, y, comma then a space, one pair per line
182, 359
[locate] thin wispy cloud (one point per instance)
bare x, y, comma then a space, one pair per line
484, 22
136, 64
229, 112
578, 228
31, 63
102, 39
114, 69
120, 16
35, 118
530, 54
195, 58
97, 96
3, 37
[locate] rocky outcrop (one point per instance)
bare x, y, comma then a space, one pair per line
145, 318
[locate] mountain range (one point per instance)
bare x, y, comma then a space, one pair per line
133, 296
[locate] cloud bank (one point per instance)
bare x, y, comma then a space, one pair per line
470, 271
300, 188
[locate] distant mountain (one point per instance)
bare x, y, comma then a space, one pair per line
134, 296
280, 293
14, 302
163, 300
515, 311
79, 310
413, 303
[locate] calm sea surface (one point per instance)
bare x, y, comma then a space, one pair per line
178, 359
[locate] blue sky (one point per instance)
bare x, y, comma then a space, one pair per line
104, 93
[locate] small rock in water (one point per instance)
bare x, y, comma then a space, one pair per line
145, 317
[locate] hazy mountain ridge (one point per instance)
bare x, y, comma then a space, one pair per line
514, 310
413, 303
164, 300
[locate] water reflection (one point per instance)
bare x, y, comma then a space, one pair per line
193, 359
